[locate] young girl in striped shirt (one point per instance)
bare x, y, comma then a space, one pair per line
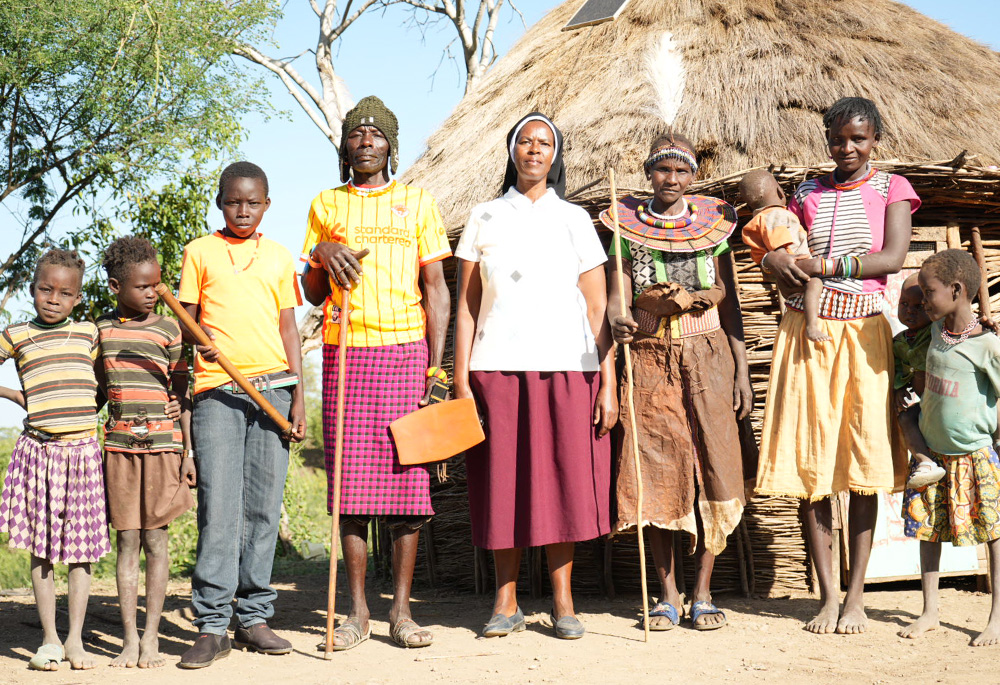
53, 494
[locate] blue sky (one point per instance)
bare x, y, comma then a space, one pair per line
378, 55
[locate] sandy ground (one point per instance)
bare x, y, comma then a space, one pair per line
764, 642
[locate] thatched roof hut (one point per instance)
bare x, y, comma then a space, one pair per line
748, 82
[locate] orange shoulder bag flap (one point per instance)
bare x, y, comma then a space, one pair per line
437, 431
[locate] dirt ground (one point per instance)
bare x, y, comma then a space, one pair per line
764, 642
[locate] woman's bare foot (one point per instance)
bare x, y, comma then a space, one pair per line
926, 623
130, 653
853, 621
77, 656
149, 652
990, 636
817, 334
825, 621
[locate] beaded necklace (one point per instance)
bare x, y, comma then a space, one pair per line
683, 221
370, 192
831, 180
236, 269
962, 337
69, 332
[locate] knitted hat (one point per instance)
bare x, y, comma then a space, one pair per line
370, 111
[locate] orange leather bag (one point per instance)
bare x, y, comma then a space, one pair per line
437, 431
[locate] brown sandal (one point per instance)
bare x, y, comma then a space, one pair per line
405, 629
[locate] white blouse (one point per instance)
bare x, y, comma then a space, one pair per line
533, 316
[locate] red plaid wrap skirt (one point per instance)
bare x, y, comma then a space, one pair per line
381, 384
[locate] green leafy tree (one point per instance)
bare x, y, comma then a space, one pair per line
100, 98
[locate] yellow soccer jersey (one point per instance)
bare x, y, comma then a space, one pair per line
402, 228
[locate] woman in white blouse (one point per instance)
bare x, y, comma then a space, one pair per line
531, 345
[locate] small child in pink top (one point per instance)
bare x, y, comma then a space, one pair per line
772, 228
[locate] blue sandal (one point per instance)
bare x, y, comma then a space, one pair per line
664, 609
705, 608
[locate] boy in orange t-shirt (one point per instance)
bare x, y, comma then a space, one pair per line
242, 289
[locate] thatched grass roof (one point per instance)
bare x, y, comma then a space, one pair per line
757, 76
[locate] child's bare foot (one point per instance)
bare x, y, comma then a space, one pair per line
149, 652
130, 653
817, 334
77, 656
990, 636
826, 620
926, 472
853, 621
926, 623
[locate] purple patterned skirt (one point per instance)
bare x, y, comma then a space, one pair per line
382, 384
53, 500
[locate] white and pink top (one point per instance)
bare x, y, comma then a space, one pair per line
848, 222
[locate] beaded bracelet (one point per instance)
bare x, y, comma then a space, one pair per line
437, 372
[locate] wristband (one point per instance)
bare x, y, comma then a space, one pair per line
187, 454
315, 263
437, 372
763, 266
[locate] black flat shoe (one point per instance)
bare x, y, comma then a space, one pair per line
207, 649
501, 626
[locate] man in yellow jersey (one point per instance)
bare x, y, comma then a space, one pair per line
395, 343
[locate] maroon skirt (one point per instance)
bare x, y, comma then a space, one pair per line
542, 476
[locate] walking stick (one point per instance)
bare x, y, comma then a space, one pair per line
984, 290
338, 463
631, 414
196, 331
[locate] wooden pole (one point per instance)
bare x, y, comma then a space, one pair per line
984, 292
338, 466
196, 331
631, 413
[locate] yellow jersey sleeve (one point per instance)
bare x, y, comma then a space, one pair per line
432, 239
191, 276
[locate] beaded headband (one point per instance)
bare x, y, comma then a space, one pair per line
672, 152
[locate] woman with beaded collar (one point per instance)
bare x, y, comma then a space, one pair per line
692, 387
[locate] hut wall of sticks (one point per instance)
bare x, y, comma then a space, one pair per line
748, 81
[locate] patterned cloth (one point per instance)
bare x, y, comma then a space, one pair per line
962, 508
53, 500
140, 362
693, 270
382, 384
56, 367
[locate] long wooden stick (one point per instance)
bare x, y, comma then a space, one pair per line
196, 331
338, 464
631, 413
984, 291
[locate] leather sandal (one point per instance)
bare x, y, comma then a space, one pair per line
501, 626
349, 631
406, 628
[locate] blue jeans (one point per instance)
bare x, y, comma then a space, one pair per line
242, 463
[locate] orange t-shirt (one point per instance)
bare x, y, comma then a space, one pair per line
241, 287
771, 229
402, 228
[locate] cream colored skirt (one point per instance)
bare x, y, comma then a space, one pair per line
828, 422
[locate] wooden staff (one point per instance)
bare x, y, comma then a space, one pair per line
984, 291
196, 331
338, 463
631, 413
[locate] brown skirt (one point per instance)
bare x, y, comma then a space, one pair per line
690, 446
145, 491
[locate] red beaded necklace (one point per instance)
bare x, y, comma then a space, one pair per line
682, 222
831, 180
